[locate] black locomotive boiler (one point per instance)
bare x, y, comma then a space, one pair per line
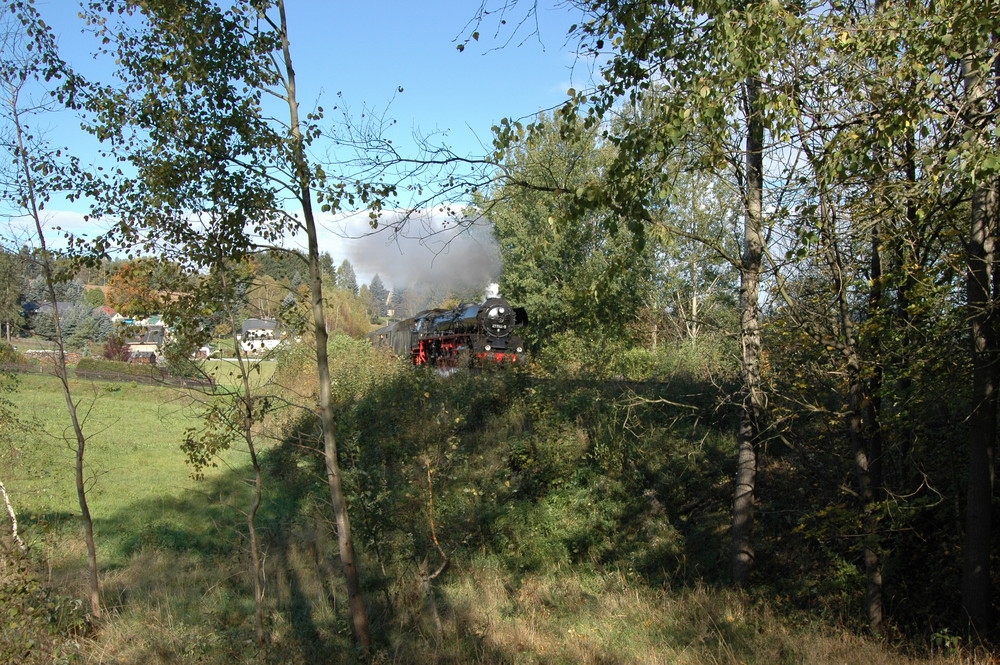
469, 334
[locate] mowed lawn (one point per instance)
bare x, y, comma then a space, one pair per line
133, 454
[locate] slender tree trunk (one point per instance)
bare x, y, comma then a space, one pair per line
30, 200
905, 321
866, 493
13, 517
255, 559
250, 416
976, 578
345, 541
861, 445
874, 386
748, 435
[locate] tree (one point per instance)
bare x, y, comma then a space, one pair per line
264, 296
278, 265
377, 297
862, 140
116, 349
191, 120
38, 173
576, 275
346, 313
346, 279
68, 290
11, 288
917, 158
230, 416
696, 283
91, 328
94, 297
981, 82
139, 287
693, 74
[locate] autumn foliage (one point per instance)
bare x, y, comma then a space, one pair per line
137, 289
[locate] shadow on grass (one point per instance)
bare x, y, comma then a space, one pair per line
176, 568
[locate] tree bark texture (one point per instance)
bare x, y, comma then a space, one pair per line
976, 579
980, 285
748, 434
30, 198
13, 517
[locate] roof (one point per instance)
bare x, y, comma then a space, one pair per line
260, 324
63, 306
151, 335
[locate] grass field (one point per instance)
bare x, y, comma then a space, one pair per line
133, 455
227, 372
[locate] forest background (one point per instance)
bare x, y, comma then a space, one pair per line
758, 255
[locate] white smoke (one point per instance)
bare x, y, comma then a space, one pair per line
429, 252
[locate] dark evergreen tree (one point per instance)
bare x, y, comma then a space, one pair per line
346, 279
12, 284
378, 297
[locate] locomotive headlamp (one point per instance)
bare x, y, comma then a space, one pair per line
488, 347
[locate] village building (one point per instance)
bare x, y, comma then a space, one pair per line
259, 336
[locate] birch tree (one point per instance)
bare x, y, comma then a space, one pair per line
39, 171
210, 173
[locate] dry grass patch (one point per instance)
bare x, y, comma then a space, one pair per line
592, 619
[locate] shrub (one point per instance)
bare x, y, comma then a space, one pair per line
8, 354
94, 297
39, 626
116, 349
117, 367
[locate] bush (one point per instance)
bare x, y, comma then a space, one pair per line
116, 349
39, 626
8, 354
117, 367
94, 297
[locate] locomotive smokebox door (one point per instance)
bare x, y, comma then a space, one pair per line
497, 318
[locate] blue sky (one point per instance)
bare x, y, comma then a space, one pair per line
368, 50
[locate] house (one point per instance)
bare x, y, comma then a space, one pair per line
145, 343
47, 308
259, 336
143, 357
104, 310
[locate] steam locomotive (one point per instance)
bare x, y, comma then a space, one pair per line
469, 334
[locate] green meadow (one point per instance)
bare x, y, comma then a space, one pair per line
133, 455
228, 372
